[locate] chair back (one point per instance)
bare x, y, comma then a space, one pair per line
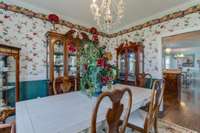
148, 81
145, 80
8, 128
156, 100
115, 125
61, 85
5, 113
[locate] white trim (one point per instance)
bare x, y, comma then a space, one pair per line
167, 34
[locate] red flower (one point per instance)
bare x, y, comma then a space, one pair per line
71, 48
84, 36
108, 67
85, 66
105, 79
93, 30
95, 33
53, 18
95, 38
101, 62
3, 5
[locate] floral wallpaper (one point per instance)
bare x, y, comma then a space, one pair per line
150, 37
29, 34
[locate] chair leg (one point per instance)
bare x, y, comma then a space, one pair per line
155, 126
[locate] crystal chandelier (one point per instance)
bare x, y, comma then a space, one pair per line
107, 13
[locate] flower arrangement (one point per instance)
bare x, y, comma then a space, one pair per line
54, 19
71, 47
96, 70
95, 34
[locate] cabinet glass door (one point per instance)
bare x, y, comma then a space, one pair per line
7, 81
141, 63
122, 66
72, 60
131, 66
58, 59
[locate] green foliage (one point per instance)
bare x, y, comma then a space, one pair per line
91, 72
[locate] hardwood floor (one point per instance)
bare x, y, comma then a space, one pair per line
185, 113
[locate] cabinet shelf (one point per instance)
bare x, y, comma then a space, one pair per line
58, 65
5, 88
59, 53
7, 71
72, 54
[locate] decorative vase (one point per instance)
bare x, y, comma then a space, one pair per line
97, 90
109, 86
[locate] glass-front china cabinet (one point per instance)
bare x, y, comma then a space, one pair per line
63, 58
9, 76
130, 62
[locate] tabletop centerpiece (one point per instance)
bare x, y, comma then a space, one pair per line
96, 71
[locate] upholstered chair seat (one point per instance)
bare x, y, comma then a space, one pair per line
144, 121
138, 118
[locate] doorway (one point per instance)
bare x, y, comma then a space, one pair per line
181, 54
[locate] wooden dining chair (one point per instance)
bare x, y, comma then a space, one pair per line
8, 128
6, 113
61, 85
145, 80
143, 121
115, 125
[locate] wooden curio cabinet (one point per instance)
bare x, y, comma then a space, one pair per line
9, 75
63, 62
130, 62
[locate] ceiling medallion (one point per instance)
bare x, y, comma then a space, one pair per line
107, 13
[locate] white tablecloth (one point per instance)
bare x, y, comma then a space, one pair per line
67, 113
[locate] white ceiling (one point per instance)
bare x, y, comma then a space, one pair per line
78, 11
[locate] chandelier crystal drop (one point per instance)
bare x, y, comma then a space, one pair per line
107, 13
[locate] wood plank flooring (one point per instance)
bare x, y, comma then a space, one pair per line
185, 113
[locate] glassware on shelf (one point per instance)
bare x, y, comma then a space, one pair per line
58, 71
72, 60
72, 63
122, 67
72, 71
131, 67
7, 81
58, 48
58, 60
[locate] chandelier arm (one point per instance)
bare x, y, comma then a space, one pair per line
107, 13
114, 6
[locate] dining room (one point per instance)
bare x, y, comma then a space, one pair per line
98, 66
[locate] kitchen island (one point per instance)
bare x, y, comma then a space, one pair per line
172, 83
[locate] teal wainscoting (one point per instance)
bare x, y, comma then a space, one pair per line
28, 90
33, 89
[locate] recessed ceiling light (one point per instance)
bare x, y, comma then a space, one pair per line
168, 50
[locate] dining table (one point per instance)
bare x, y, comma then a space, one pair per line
69, 112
